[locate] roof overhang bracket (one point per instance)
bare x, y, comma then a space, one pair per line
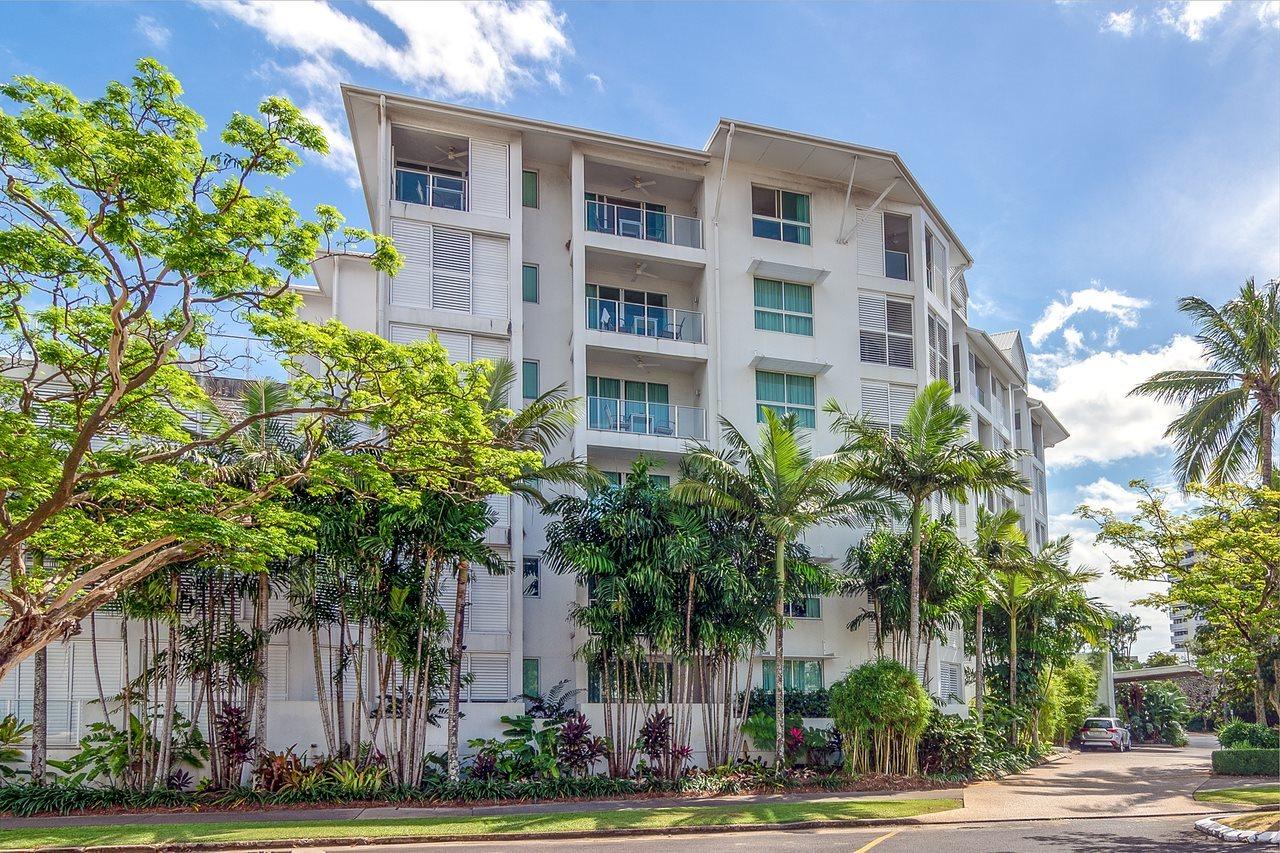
844, 238
841, 238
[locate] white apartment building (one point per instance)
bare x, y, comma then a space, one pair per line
667, 287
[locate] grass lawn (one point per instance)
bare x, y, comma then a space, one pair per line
1245, 795
426, 828
1258, 821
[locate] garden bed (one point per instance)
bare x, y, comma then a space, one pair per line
694, 788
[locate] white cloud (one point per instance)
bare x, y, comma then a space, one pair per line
1119, 22
451, 50
1113, 303
1090, 396
595, 79
153, 31
1073, 339
1269, 14
446, 49
1191, 17
1105, 493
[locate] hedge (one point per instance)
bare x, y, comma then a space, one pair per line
1247, 762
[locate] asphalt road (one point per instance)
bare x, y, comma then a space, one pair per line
1077, 835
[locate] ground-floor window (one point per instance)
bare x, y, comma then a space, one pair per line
798, 675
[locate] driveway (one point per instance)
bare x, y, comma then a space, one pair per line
1149, 780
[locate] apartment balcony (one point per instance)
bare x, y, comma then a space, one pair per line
415, 186
663, 335
643, 214
641, 224
661, 429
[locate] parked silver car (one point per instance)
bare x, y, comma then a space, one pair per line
1105, 731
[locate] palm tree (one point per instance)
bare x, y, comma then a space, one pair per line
997, 543
930, 453
784, 489
541, 425
1229, 426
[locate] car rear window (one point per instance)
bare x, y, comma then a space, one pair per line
1098, 723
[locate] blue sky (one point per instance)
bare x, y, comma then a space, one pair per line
1099, 160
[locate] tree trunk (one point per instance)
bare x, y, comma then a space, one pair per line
455, 668
779, 699
40, 717
979, 676
913, 629
165, 759
1259, 694
1266, 436
260, 630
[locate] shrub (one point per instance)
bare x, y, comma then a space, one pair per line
579, 750
1244, 761
13, 733
950, 745
1239, 734
1155, 711
811, 703
525, 752
880, 710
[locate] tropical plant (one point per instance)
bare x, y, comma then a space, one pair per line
997, 545
527, 750
13, 733
578, 749
1228, 428
929, 454
1154, 711
879, 567
784, 490
880, 710
117, 754
555, 704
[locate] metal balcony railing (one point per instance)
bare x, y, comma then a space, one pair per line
651, 225
610, 415
628, 318
418, 187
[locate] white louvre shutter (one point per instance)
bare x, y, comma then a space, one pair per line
84, 685
490, 178
490, 275
407, 333
900, 399
451, 270
492, 349
58, 671
501, 506
456, 344
871, 244
873, 339
330, 660
871, 312
901, 325
490, 608
278, 671
875, 403
490, 678
412, 284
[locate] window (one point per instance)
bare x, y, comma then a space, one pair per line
529, 380
809, 607
885, 330
529, 282
786, 394
661, 480
784, 307
613, 478
798, 676
529, 188
935, 263
530, 681
532, 577
636, 312
897, 246
885, 404
939, 349
950, 683
629, 406
780, 215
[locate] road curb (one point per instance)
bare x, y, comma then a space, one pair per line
364, 841
1209, 826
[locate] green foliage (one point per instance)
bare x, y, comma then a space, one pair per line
1154, 711
880, 710
526, 751
109, 752
761, 730
1238, 734
1246, 761
13, 733
809, 703
1070, 697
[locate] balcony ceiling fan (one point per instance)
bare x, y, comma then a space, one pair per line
451, 154
640, 271
637, 183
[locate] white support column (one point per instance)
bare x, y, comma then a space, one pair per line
578, 278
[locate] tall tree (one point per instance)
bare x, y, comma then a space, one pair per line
786, 490
930, 453
1228, 428
535, 431
998, 541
